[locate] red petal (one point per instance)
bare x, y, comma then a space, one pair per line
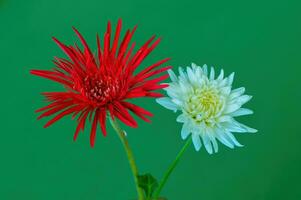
148, 69
124, 115
81, 123
126, 40
83, 41
111, 110
116, 38
134, 93
142, 54
66, 50
99, 51
139, 78
62, 114
56, 109
94, 127
154, 94
155, 87
54, 104
102, 121
140, 112
151, 83
107, 40
52, 76
124, 60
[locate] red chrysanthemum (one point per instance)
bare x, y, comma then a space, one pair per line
103, 82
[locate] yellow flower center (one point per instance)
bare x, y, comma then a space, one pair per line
204, 104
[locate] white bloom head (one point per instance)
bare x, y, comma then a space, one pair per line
208, 105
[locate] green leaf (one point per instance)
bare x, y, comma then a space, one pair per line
148, 183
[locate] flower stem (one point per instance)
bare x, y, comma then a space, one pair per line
171, 168
130, 156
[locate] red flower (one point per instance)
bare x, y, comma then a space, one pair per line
99, 83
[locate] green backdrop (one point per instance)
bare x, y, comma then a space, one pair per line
259, 40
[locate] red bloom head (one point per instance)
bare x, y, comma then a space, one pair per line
99, 83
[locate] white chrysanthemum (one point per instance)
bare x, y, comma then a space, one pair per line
208, 106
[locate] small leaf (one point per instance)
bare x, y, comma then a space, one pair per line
148, 183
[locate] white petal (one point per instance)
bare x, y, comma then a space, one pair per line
167, 103
172, 93
172, 75
236, 103
207, 143
223, 83
181, 118
185, 131
243, 99
181, 72
231, 108
211, 135
231, 136
205, 70
220, 135
215, 145
198, 72
184, 86
225, 90
237, 92
177, 102
230, 78
196, 140
191, 75
194, 66
225, 118
241, 112
221, 75
235, 126
212, 74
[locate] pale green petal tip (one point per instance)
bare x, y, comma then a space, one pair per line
167, 103
252, 130
196, 140
172, 75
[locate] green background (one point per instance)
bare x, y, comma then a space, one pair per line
259, 40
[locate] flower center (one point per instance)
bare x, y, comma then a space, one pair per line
205, 104
100, 89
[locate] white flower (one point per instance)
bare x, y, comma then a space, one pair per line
208, 105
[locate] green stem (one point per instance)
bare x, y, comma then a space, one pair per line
130, 156
170, 169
